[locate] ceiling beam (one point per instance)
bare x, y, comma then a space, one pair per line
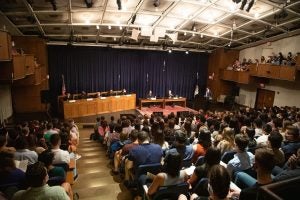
29, 8
10, 23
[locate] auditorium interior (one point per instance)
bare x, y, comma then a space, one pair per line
97, 80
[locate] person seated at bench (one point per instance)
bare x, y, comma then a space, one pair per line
37, 178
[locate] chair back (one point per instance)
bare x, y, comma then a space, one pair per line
55, 180
154, 168
201, 187
65, 166
186, 163
171, 192
200, 161
227, 156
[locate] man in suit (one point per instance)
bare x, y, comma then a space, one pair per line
208, 98
149, 95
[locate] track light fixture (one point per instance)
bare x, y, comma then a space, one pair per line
133, 19
156, 3
250, 4
244, 2
119, 4
89, 3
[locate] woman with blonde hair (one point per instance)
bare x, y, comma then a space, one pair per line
227, 142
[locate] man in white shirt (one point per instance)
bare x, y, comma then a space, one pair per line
60, 156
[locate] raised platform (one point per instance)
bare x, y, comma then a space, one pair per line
166, 111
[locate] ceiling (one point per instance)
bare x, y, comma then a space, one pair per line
196, 25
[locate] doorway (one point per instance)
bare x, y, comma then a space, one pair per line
264, 98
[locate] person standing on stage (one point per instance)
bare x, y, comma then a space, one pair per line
208, 98
150, 95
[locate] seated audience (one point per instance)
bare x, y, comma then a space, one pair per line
10, 174
292, 143
119, 155
218, 185
264, 164
37, 178
263, 139
227, 142
181, 146
47, 158
172, 174
204, 142
144, 153
293, 168
242, 160
211, 158
275, 142
3, 142
60, 156
22, 151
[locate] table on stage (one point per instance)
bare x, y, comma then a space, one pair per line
163, 102
94, 106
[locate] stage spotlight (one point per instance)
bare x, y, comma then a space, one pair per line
186, 52
119, 4
89, 3
170, 50
156, 3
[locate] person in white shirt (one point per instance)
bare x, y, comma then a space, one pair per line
60, 156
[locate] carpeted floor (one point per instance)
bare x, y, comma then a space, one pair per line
95, 180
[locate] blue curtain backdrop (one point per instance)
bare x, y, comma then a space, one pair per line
94, 69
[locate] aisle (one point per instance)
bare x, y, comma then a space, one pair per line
95, 181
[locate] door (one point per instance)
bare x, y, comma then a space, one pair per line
264, 98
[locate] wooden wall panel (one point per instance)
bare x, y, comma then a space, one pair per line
5, 46
220, 59
32, 85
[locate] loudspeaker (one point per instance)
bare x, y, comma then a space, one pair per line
235, 91
45, 96
183, 114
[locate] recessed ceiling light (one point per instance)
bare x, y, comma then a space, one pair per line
120, 27
256, 15
193, 34
115, 39
186, 52
170, 50
109, 27
201, 35
216, 33
184, 33
97, 27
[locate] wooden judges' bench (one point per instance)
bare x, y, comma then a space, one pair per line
163, 102
94, 106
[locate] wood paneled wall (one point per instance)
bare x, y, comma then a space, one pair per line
220, 59
27, 97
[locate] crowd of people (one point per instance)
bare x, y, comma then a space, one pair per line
279, 59
263, 145
43, 150
208, 151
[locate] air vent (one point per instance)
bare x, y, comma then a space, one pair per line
57, 28
85, 28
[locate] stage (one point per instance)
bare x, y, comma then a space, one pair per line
166, 111
89, 120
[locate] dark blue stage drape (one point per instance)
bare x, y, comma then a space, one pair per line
94, 69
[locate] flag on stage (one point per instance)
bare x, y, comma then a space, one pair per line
196, 91
63, 86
